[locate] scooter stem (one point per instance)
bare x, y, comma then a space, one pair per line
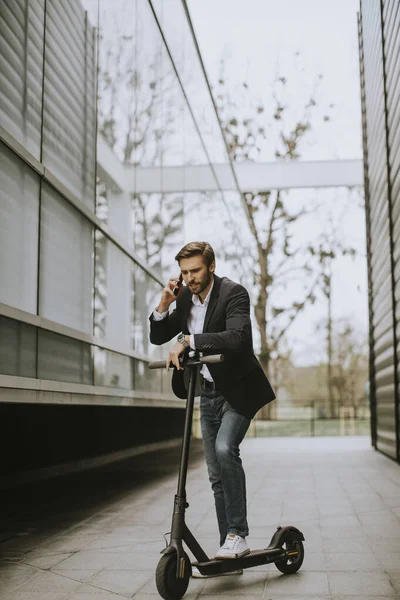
187, 433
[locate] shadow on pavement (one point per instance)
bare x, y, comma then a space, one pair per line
57, 504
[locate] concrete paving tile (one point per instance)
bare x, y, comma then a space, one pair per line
343, 532
24, 544
263, 532
350, 528
13, 576
195, 587
277, 596
46, 581
389, 561
46, 562
38, 595
142, 596
392, 499
367, 583
366, 506
255, 541
88, 560
260, 520
135, 562
11, 554
383, 530
335, 510
88, 592
62, 544
360, 561
80, 575
121, 582
383, 545
303, 582
314, 561
364, 597
312, 536
292, 516
384, 517
351, 545
136, 532
242, 596
122, 543
264, 509
340, 521
394, 578
251, 583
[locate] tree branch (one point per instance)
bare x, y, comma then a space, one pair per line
297, 310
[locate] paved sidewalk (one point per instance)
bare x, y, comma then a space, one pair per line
343, 496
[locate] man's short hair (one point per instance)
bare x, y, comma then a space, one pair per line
197, 248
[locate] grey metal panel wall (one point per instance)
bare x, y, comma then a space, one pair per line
372, 383
21, 70
379, 225
69, 117
391, 49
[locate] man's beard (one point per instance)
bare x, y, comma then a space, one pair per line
204, 284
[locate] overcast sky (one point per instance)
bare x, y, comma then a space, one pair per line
260, 39
257, 38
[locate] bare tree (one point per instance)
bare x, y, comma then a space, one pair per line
349, 365
277, 259
330, 248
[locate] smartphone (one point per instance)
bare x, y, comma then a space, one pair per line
179, 285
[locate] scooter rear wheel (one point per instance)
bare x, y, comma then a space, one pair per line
291, 564
168, 585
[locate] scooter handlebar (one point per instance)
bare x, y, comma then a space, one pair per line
212, 359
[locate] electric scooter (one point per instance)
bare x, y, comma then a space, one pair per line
174, 569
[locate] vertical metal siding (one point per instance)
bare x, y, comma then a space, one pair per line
382, 350
69, 117
372, 383
391, 49
21, 50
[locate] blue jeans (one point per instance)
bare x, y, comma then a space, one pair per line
223, 429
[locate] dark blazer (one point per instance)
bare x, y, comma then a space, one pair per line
227, 330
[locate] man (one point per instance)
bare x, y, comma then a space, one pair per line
212, 316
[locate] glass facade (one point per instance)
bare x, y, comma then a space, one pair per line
19, 228
91, 98
21, 71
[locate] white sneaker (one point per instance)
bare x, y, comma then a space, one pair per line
234, 547
197, 575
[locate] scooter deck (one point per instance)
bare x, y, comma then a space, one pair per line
252, 559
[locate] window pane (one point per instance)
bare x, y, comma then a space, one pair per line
19, 223
118, 78
66, 263
158, 230
147, 296
63, 359
113, 293
17, 348
21, 70
69, 124
147, 380
112, 369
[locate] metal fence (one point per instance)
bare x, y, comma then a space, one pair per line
311, 421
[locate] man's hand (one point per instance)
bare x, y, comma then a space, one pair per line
176, 351
168, 296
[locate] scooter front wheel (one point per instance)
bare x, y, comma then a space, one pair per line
168, 585
294, 558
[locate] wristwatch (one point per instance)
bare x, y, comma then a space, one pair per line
181, 340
